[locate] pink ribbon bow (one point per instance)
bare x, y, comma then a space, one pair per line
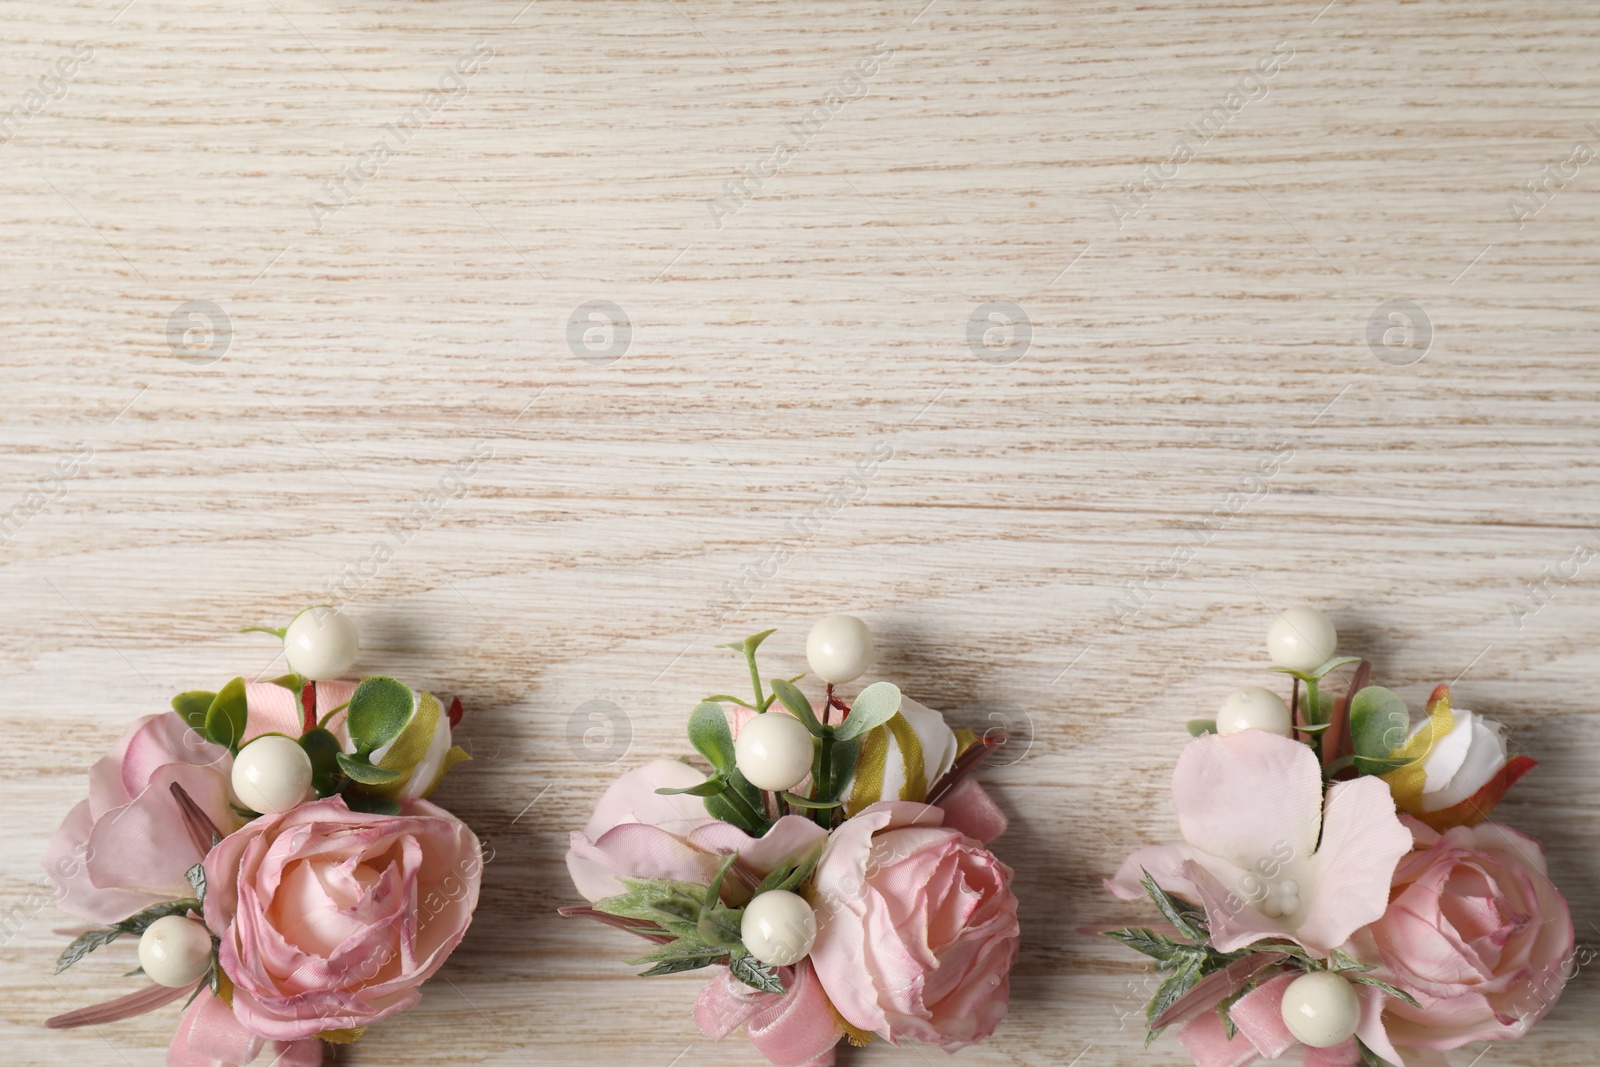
209, 1036
795, 1028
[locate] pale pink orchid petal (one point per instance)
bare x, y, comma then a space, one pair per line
632, 798
144, 845
635, 850
1165, 863
1240, 796
791, 839
76, 892
1362, 842
1234, 922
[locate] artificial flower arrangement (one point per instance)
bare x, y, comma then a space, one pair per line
270, 846
1338, 888
832, 867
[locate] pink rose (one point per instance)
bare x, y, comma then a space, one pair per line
329, 919
127, 847
916, 927
1477, 933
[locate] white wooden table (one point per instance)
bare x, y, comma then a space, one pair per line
1059, 276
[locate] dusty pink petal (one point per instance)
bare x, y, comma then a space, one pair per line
1241, 796
635, 850
632, 798
1208, 1044
791, 839
1362, 841
161, 739
76, 893
1344, 1054
209, 1034
145, 846
1234, 923
1165, 864
1259, 1016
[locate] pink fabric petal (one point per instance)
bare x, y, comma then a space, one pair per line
297, 1053
971, 810
1234, 923
635, 850
1242, 795
791, 838
796, 1028
1259, 1016
209, 1035
1165, 864
1362, 842
1207, 1043
1344, 1054
273, 710
144, 845
76, 893
632, 798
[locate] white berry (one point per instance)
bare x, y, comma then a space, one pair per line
321, 643
774, 751
272, 774
1301, 639
1253, 708
839, 649
175, 951
778, 928
1321, 1009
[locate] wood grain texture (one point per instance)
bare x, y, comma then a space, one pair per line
772, 350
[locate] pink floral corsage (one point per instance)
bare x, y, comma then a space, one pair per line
1339, 892
832, 869
270, 847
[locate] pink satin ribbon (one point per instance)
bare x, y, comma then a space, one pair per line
1262, 1034
209, 1036
795, 1028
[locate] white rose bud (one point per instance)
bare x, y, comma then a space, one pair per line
1463, 762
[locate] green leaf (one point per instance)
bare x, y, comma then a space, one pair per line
360, 770
1170, 910
1343, 962
741, 804
1379, 723
796, 702
196, 877
1148, 942
845, 756
688, 963
228, 715
294, 683
1202, 726
798, 801
193, 706
708, 788
1362, 979
644, 897
371, 805
711, 737
1176, 985
84, 944
873, 706
749, 645
790, 875
324, 750
714, 890
379, 709
1369, 1058
138, 922
755, 974
1321, 672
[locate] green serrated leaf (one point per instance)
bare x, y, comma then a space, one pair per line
684, 948
1363, 979
1146, 941
872, 707
710, 735
677, 966
359, 770
1379, 723
1202, 726
323, 748
138, 922
196, 877
1169, 909
84, 944
644, 894
380, 707
228, 716
796, 702
708, 788
1342, 961
790, 876
193, 706
1177, 984
755, 974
